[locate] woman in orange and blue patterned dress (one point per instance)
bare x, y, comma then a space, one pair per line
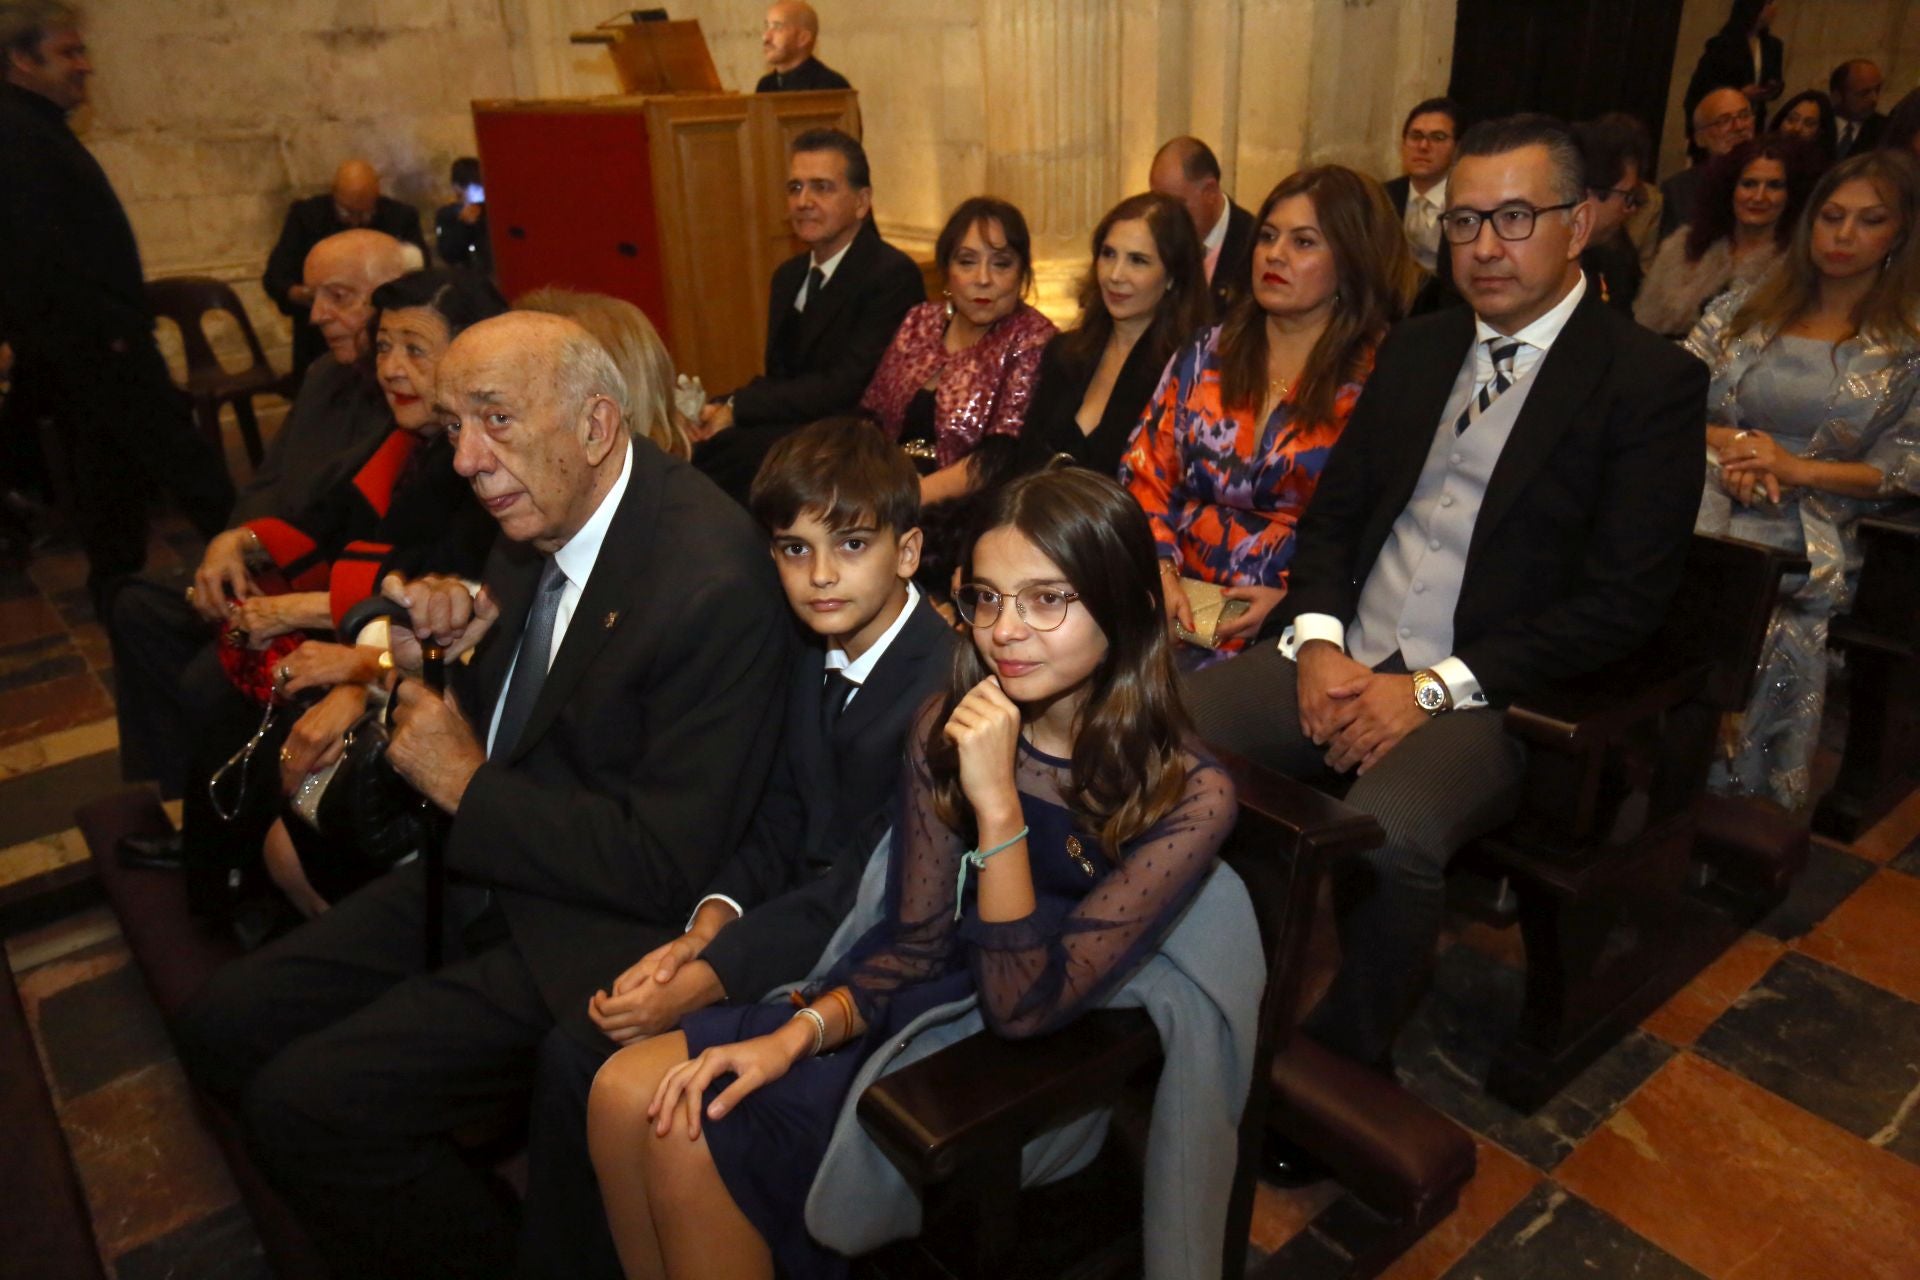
1232, 444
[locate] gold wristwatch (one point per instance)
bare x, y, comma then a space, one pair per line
1430, 693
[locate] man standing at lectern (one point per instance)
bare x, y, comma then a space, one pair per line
832, 312
791, 30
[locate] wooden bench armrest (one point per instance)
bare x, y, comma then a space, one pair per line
986, 1093
1584, 715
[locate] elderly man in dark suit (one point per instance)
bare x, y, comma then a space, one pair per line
1187, 170
1854, 87
600, 758
1510, 505
831, 312
354, 201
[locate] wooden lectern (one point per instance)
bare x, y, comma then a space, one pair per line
672, 198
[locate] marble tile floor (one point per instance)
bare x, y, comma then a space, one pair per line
1764, 1123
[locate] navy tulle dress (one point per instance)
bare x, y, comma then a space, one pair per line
1094, 922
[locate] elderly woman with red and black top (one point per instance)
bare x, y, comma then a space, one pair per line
403, 509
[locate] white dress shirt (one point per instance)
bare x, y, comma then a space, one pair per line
826, 270
576, 560
1535, 341
1422, 223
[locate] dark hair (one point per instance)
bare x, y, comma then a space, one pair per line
978, 211
1742, 17
461, 298
1533, 129
1792, 290
1197, 161
1608, 144
1186, 305
1837, 80
1128, 764
1375, 278
1713, 209
843, 470
466, 171
859, 177
1903, 122
1444, 106
25, 24
1827, 140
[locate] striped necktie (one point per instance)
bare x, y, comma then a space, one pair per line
1502, 356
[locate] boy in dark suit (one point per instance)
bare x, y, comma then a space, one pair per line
841, 506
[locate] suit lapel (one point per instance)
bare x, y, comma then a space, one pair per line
609, 590
840, 289
1564, 380
787, 279
1424, 397
812, 754
895, 674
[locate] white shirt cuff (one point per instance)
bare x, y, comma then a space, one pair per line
738, 910
1313, 626
1460, 682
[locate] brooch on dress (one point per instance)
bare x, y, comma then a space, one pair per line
1075, 852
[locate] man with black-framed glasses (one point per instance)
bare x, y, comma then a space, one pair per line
1614, 150
1510, 506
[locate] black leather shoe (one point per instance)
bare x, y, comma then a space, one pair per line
1287, 1165
151, 853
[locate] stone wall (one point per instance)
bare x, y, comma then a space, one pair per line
1818, 35
211, 115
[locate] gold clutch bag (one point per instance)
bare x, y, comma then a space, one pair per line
1210, 609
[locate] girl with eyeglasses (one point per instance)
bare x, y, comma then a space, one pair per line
1056, 817
1742, 222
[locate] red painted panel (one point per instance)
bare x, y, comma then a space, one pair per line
570, 203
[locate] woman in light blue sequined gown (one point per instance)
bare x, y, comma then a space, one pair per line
1813, 419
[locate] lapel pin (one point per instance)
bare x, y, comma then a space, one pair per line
612, 617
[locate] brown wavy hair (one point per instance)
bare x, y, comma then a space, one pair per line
1792, 289
1128, 765
1184, 308
1376, 280
1713, 217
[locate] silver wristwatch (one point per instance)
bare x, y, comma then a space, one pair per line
1430, 693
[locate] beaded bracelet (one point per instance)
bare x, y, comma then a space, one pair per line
978, 858
819, 1028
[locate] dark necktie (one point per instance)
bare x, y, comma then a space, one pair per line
834, 692
1503, 355
816, 281
530, 667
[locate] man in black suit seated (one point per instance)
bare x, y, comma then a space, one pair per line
1721, 121
831, 313
1509, 506
354, 201
1428, 137
791, 31
591, 802
1854, 87
840, 505
1187, 170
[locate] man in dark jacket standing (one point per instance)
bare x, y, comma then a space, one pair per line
353, 201
74, 309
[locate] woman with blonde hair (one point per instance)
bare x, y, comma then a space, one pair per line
630, 338
1813, 419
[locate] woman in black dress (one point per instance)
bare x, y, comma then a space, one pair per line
1144, 294
1054, 819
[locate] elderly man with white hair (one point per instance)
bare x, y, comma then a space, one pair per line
597, 758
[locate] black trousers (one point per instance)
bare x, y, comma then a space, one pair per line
1453, 778
732, 458
127, 431
168, 682
351, 1066
563, 1224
